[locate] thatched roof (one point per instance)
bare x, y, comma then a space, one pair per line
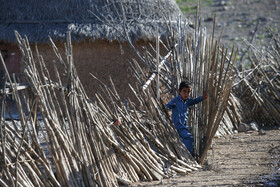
87, 19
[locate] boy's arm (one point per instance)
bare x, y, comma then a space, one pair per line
171, 104
199, 99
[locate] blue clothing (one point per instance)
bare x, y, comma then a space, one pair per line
180, 118
187, 139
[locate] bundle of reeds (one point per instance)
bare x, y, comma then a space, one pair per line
192, 56
196, 58
258, 84
65, 139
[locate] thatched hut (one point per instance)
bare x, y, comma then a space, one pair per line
99, 30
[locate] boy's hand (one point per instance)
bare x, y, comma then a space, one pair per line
117, 122
205, 95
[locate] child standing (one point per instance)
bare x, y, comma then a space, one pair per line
179, 106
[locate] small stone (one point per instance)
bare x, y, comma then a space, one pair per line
262, 18
235, 131
220, 3
262, 132
254, 126
270, 19
208, 19
219, 25
236, 38
226, 8
226, 36
223, 3
243, 127
244, 14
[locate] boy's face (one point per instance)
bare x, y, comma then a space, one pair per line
185, 93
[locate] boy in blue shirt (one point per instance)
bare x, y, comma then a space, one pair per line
179, 106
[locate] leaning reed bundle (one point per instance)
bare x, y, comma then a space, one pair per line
196, 58
258, 84
75, 143
192, 57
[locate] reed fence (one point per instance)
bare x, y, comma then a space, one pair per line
65, 139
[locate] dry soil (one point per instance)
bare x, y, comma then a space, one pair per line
243, 159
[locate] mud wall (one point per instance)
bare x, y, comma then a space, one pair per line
12, 58
102, 59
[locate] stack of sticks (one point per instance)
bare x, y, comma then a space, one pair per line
65, 139
258, 84
195, 58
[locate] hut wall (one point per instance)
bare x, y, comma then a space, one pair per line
103, 59
11, 56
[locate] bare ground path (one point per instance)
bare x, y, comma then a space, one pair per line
243, 159
240, 20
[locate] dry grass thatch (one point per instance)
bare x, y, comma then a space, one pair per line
40, 19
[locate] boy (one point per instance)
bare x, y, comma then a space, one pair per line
179, 106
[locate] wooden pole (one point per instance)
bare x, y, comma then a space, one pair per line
157, 59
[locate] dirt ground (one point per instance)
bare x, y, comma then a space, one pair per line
240, 20
242, 159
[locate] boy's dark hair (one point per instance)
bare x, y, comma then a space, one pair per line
184, 84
